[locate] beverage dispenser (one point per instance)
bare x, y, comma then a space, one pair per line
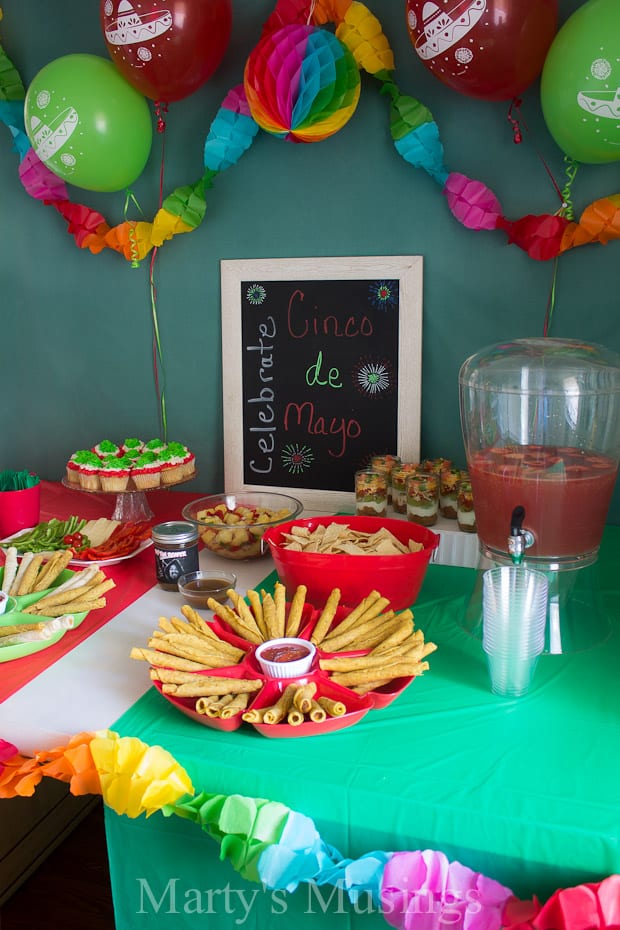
541, 427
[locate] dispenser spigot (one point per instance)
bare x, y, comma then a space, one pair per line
519, 539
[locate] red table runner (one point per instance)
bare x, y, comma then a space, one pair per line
133, 577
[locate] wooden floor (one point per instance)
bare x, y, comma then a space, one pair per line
71, 889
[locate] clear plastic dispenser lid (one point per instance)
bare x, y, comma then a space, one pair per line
543, 366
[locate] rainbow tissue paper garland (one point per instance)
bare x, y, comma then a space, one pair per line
302, 84
267, 842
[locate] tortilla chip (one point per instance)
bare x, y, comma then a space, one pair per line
339, 538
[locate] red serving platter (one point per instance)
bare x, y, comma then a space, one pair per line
357, 705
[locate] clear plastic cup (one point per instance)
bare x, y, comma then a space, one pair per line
511, 676
514, 610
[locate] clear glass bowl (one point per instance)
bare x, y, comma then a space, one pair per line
232, 524
197, 587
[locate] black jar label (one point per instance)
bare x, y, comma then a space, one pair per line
170, 564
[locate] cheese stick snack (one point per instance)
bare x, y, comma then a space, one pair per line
215, 647
163, 660
28, 578
245, 614
196, 624
269, 616
317, 713
213, 684
20, 628
331, 707
351, 663
171, 676
76, 600
79, 594
52, 569
10, 569
257, 609
21, 571
216, 708
32, 636
57, 610
83, 578
416, 652
279, 599
293, 621
229, 616
171, 626
367, 634
238, 704
326, 617
188, 650
404, 637
302, 698
366, 609
203, 703
363, 676
373, 638
280, 709
294, 718
38, 631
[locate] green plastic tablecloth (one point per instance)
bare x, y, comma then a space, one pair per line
526, 791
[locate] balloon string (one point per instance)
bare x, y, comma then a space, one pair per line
567, 209
133, 244
516, 128
311, 13
160, 108
157, 351
551, 298
158, 360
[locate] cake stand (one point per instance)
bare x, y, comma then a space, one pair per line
131, 505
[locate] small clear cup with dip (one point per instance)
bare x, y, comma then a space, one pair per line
197, 587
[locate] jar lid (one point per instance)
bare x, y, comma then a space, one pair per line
175, 531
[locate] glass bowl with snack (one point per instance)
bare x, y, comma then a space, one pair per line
232, 524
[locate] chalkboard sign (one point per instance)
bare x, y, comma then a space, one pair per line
322, 370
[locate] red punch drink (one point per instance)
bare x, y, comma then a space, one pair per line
565, 491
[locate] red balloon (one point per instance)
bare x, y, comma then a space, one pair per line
492, 49
166, 48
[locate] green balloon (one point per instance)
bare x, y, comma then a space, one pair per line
580, 84
88, 124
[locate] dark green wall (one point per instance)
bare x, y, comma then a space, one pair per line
76, 333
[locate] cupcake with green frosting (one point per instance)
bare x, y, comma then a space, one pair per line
88, 463
114, 472
106, 447
73, 467
171, 466
132, 447
183, 455
154, 445
146, 471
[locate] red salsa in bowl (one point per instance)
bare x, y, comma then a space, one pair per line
286, 653
287, 657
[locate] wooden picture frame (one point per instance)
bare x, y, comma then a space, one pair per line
247, 287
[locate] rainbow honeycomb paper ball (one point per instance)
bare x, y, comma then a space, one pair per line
301, 83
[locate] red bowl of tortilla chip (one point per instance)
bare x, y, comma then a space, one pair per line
326, 552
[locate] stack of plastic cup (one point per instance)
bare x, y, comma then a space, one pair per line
514, 610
